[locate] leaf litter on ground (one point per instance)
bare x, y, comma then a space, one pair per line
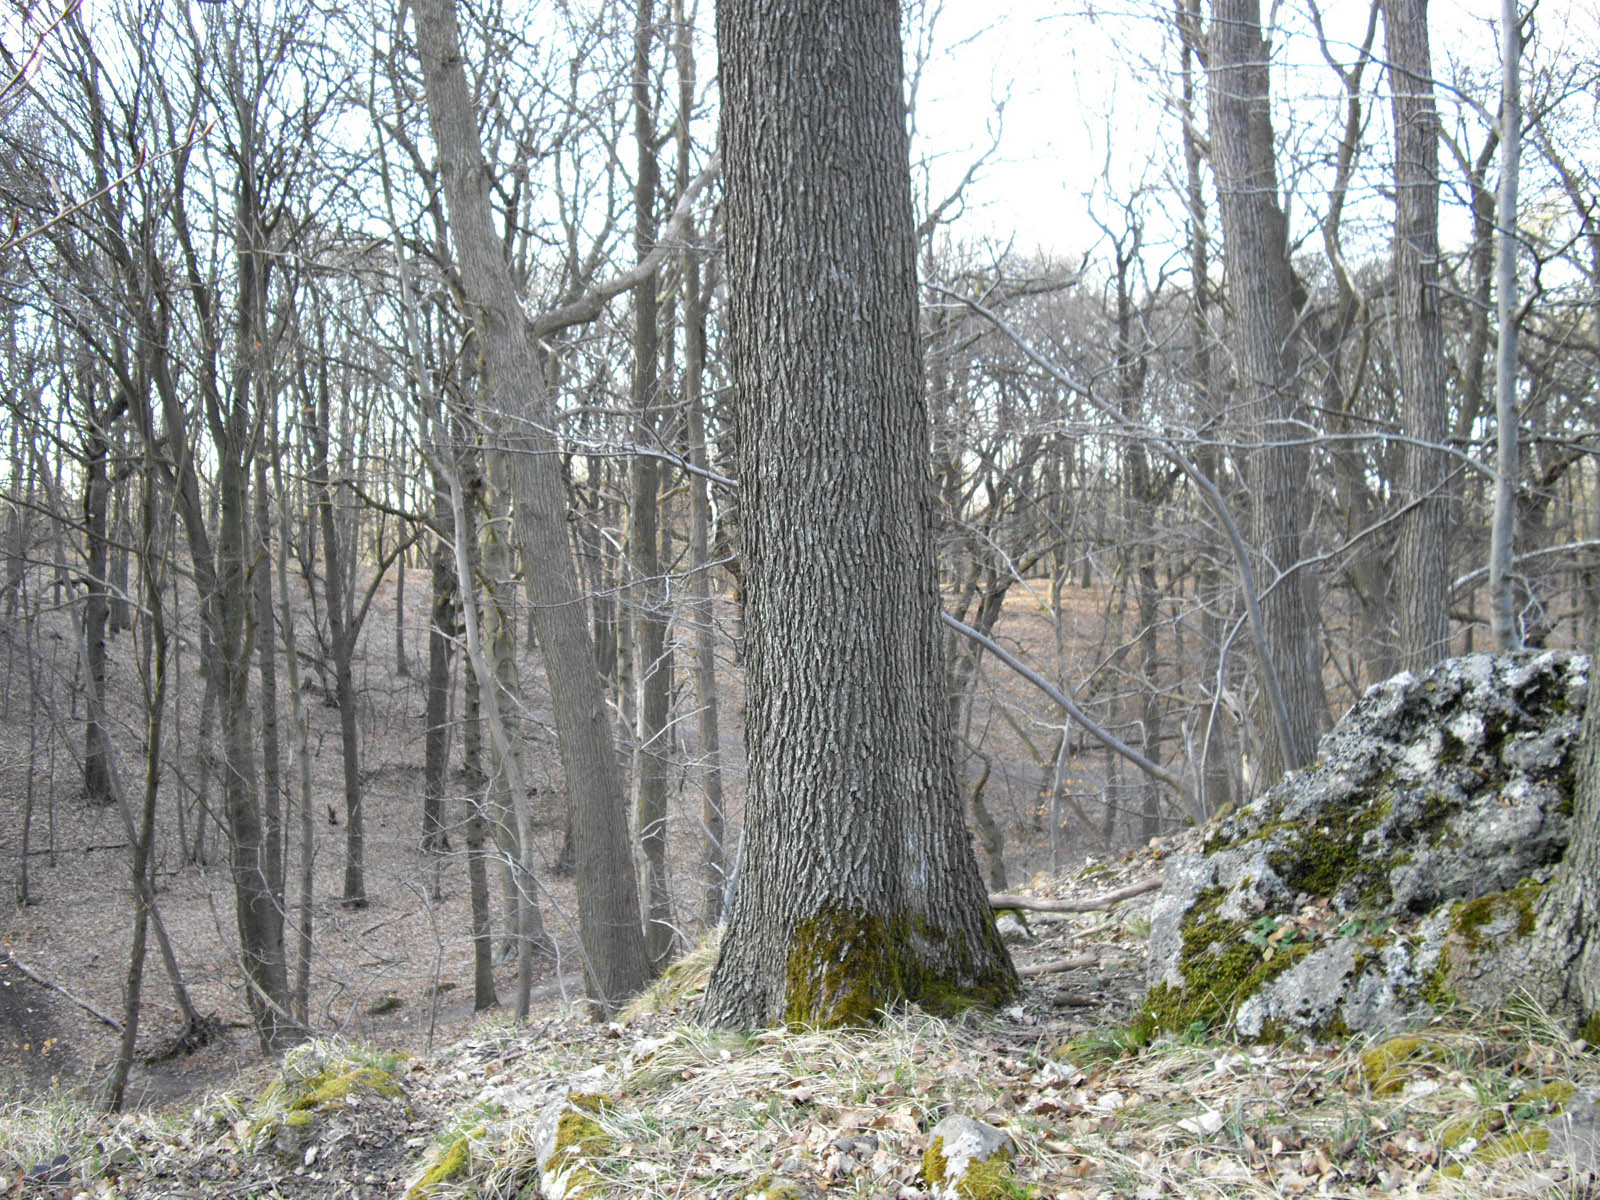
1097, 1110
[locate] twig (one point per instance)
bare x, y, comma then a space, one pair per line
1109, 740
1039, 904
56, 987
1050, 966
87, 849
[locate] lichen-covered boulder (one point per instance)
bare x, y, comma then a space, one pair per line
1354, 894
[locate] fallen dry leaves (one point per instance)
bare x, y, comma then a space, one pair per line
692, 1112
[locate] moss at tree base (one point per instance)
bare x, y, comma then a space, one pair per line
846, 966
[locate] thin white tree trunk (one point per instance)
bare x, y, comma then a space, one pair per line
1502, 532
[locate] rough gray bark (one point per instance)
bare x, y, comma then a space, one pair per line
1217, 773
97, 786
511, 799
1564, 952
483, 995
1423, 571
442, 628
1261, 297
859, 886
301, 720
608, 902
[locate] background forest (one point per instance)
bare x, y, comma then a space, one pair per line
281, 602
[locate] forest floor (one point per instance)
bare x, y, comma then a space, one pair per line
400, 969
1095, 1108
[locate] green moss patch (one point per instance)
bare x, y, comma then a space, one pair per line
1388, 1066
1470, 917
846, 966
452, 1162
983, 1179
1222, 965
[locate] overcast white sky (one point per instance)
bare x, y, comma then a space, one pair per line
1076, 83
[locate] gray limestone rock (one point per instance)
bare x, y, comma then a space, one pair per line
1354, 894
956, 1146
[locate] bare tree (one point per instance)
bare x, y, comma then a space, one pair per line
1419, 335
1262, 299
608, 900
859, 886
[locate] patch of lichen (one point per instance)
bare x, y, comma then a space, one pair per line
451, 1163
1220, 968
845, 966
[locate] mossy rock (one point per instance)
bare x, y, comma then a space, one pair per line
1417, 842
317, 1079
1386, 1066
969, 1160
450, 1162
1498, 1149
568, 1142
777, 1187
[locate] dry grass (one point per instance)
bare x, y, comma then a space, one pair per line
1096, 1113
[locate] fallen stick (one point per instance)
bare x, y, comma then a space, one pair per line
1056, 964
1038, 904
56, 987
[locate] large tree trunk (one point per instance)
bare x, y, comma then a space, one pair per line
511, 796
859, 887
1261, 296
1423, 568
608, 899
1563, 958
